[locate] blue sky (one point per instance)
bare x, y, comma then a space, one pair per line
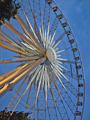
77, 12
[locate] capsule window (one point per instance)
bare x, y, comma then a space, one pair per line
78, 67
79, 103
71, 41
64, 24
55, 8
80, 94
77, 113
68, 32
74, 49
59, 16
49, 1
80, 85
79, 76
76, 58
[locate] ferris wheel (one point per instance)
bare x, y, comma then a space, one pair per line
42, 63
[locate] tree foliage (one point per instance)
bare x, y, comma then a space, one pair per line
8, 9
4, 115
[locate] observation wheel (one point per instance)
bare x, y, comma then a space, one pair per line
42, 63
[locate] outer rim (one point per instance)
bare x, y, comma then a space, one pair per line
74, 55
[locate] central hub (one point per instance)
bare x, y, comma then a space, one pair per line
51, 54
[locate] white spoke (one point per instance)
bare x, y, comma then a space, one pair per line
39, 84
30, 25
9, 38
28, 32
49, 40
36, 95
28, 46
62, 59
38, 74
11, 48
56, 49
61, 66
23, 37
56, 66
19, 60
45, 86
52, 39
58, 69
58, 56
56, 44
47, 36
52, 94
43, 80
58, 77
57, 61
41, 34
8, 74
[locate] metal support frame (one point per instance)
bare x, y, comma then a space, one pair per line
51, 107
46, 16
60, 104
27, 70
37, 18
29, 32
23, 37
54, 26
41, 108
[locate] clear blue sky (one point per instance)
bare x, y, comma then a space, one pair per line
77, 12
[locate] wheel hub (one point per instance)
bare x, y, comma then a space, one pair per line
51, 54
